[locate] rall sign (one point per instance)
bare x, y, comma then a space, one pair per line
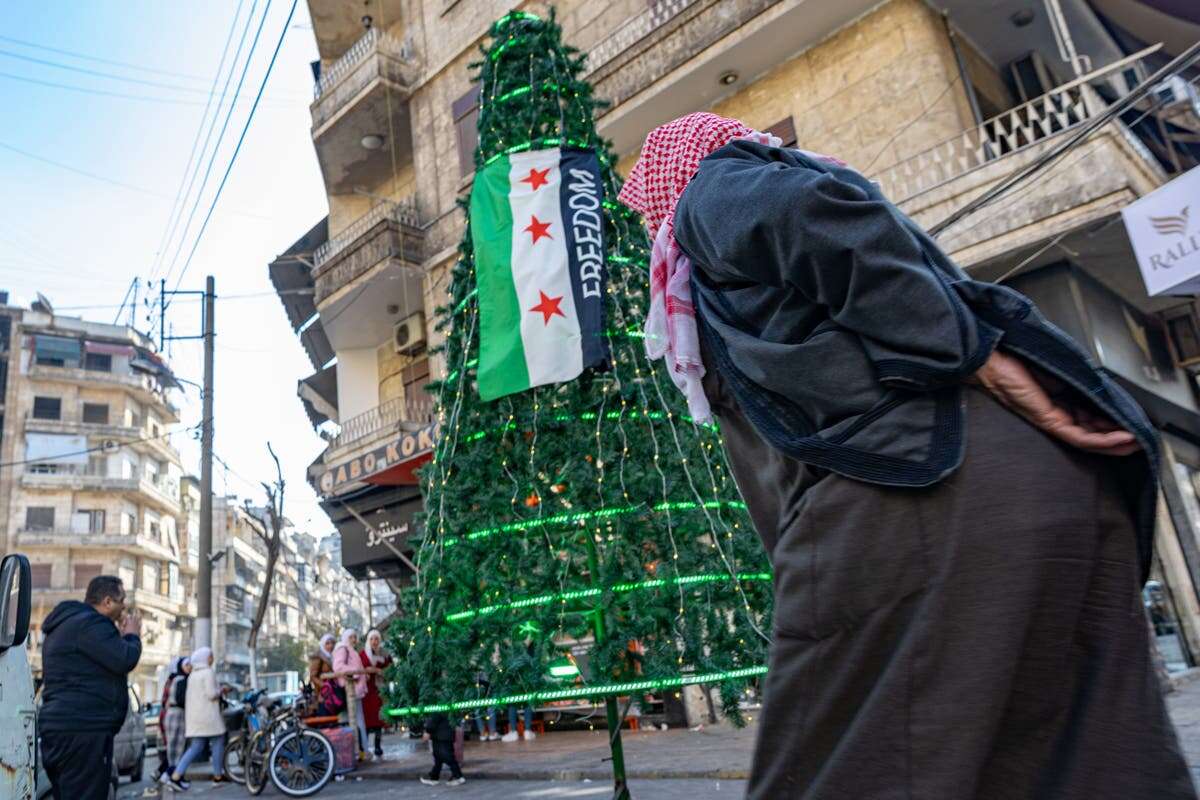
1164, 229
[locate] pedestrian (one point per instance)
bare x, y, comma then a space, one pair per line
352, 677
485, 718
202, 719
958, 505
441, 733
320, 664
513, 733
375, 660
173, 722
88, 652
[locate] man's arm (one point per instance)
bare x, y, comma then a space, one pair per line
748, 218
115, 653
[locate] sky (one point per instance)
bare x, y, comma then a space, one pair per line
89, 176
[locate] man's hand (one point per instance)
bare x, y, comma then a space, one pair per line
131, 623
1011, 382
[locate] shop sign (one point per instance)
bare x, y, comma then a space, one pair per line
407, 447
1164, 229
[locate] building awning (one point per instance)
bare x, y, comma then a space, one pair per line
56, 448
149, 361
318, 393
375, 527
392, 463
110, 349
57, 347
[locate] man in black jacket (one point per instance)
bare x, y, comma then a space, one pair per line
85, 662
442, 733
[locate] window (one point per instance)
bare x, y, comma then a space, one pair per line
98, 362
416, 378
150, 575
40, 575
84, 574
95, 413
56, 351
785, 129
97, 465
164, 581
127, 571
154, 531
47, 408
89, 520
128, 523
466, 117
39, 518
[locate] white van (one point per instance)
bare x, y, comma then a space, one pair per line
18, 726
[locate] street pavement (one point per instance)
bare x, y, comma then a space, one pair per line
708, 764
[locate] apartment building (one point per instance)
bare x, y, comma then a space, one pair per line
937, 100
95, 482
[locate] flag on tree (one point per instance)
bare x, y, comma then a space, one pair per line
539, 255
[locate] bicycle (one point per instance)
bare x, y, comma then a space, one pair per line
276, 745
246, 752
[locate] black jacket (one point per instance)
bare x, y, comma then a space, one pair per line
85, 662
439, 728
845, 332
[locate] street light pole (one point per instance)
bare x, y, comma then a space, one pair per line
204, 589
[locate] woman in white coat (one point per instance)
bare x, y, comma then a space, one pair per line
202, 718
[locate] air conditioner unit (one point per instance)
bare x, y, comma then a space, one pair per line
409, 334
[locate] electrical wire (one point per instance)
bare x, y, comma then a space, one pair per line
100, 92
97, 449
98, 59
241, 140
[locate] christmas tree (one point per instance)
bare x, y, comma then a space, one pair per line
582, 538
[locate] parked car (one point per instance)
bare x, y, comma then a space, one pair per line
129, 745
150, 715
18, 712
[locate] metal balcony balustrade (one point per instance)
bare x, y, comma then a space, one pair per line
1058, 111
385, 417
403, 212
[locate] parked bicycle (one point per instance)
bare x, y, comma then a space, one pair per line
276, 745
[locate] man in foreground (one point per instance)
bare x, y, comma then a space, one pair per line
958, 505
85, 664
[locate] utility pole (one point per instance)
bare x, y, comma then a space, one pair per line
204, 590
202, 630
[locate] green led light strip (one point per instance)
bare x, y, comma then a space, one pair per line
583, 594
648, 684
548, 142
584, 516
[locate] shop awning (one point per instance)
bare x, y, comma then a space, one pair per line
376, 526
56, 448
318, 392
110, 349
57, 347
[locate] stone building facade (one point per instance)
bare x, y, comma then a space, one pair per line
937, 100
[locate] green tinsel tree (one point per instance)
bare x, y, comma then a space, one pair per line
592, 511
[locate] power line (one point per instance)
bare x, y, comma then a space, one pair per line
175, 87
78, 171
98, 59
100, 92
178, 202
97, 449
241, 140
212, 126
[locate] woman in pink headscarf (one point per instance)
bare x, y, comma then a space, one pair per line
957, 537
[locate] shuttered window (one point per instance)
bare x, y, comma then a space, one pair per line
47, 408
466, 118
84, 574
785, 129
39, 576
39, 518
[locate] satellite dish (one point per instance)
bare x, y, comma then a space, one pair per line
43, 304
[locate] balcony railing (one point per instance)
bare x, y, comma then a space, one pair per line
403, 212
387, 231
1053, 113
385, 417
376, 56
53, 475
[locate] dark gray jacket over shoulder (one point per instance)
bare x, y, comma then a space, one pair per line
845, 332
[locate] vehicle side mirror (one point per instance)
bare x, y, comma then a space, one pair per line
16, 600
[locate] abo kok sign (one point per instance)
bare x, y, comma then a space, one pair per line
406, 448
1164, 229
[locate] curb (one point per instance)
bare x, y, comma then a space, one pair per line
574, 775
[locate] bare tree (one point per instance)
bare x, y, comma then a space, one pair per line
272, 537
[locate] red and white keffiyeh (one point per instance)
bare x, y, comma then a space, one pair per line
669, 159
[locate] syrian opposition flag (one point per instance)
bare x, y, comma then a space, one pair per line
537, 224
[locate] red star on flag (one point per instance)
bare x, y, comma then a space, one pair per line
537, 229
536, 178
548, 307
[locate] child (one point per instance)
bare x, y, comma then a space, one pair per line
439, 730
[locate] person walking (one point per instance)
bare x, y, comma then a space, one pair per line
89, 650
440, 733
164, 762
957, 503
375, 661
173, 724
351, 675
202, 719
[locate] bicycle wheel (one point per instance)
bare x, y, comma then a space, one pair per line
257, 753
235, 758
301, 762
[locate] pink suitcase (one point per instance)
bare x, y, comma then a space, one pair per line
345, 748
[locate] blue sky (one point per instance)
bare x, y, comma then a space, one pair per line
81, 240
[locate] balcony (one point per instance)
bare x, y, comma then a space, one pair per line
1085, 187
67, 477
145, 598
138, 437
364, 93
137, 544
383, 420
146, 388
235, 613
388, 234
